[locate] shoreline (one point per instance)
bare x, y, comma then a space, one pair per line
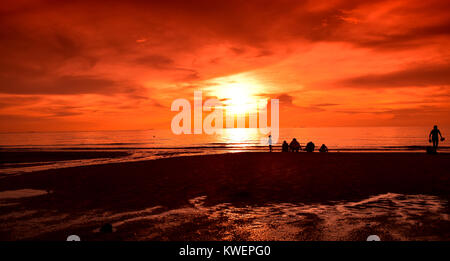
20, 161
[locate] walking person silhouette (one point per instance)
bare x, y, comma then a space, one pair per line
270, 143
434, 137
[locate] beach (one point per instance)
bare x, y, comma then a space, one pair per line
236, 196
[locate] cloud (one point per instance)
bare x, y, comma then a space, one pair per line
155, 61
417, 76
286, 102
61, 111
125, 51
63, 85
285, 99
410, 38
325, 104
237, 50
14, 101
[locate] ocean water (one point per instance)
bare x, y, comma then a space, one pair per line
340, 138
153, 144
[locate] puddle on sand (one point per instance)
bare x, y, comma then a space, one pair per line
21, 193
395, 215
8, 195
391, 216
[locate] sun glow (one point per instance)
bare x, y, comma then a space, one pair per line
241, 137
238, 94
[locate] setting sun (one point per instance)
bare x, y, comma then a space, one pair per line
239, 94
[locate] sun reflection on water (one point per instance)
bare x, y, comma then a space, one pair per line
240, 137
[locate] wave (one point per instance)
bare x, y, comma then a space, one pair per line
226, 146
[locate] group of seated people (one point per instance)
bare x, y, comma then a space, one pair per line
295, 146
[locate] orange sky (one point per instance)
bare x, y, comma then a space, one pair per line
113, 65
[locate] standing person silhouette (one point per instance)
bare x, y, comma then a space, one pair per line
270, 143
434, 136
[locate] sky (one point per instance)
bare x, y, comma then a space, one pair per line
118, 65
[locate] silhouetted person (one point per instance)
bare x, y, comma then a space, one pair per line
285, 147
434, 137
270, 143
310, 147
294, 145
323, 148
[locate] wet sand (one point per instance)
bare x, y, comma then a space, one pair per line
31, 156
16, 161
237, 196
